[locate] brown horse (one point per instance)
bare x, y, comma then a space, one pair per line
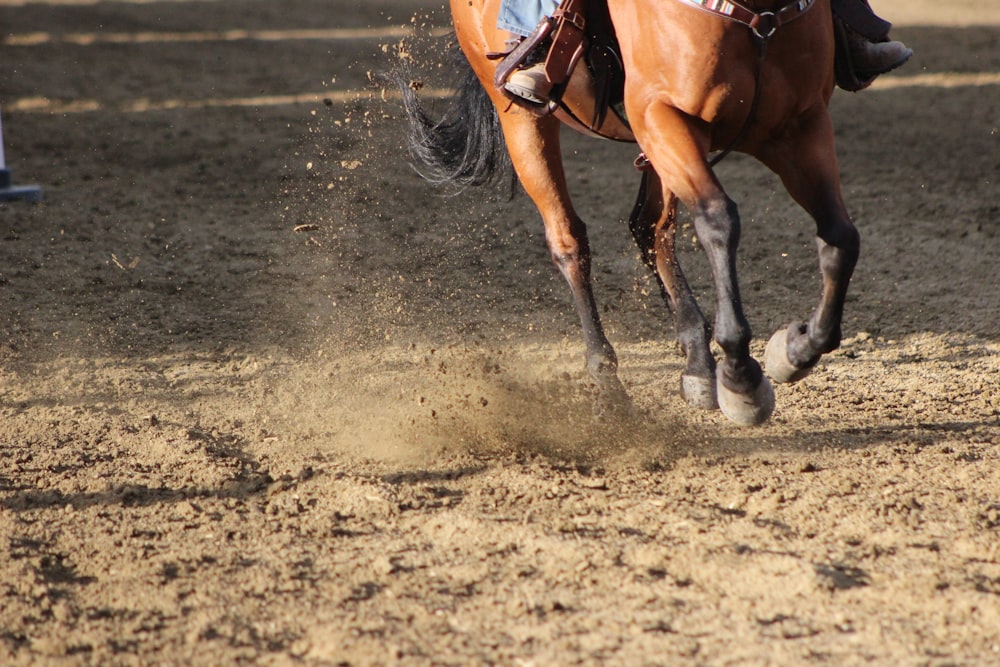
696, 83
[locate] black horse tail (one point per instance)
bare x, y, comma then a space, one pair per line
465, 147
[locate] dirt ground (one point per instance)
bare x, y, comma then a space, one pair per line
268, 398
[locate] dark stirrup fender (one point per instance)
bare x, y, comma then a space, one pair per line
567, 42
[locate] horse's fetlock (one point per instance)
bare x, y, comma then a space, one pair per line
742, 377
734, 340
695, 340
807, 344
602, 367
827, 341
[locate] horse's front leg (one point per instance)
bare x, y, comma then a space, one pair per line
653, 223
745, 395
677, 151
807, 164
535, 152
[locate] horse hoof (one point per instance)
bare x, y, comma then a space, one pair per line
776, 360
699, 392
747, 409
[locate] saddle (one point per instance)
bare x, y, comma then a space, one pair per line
582, 30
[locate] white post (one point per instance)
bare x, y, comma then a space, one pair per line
3, 161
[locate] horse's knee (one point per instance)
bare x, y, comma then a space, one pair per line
717, 223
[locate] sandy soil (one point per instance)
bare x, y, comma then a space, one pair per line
266, 398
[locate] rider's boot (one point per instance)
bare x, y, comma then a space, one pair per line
871, 59
530, 84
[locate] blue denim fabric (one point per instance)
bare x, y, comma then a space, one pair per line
521, 17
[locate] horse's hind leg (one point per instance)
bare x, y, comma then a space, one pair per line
807, 165
654, 225
535, 152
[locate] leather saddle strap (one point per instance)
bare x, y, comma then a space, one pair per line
763, 23
567, 43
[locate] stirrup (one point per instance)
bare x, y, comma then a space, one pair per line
566, 29
515, 58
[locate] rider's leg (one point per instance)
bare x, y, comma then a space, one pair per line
521, 17
874, 58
